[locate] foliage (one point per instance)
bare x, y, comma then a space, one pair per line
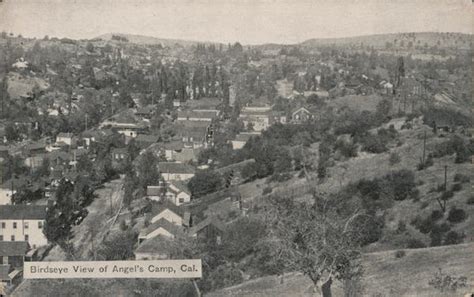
453, 237
444, 282
400, 254
456, 215
394, 159
118, 247
147, 170
205, 182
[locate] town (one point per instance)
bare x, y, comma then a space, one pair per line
125, 147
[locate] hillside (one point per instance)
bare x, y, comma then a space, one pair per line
141, 39
385, 275
444, 40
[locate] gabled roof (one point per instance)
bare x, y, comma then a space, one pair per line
153, 190
65, 135
302, 108
18, 212
162, 223
171, 167
13, 248
206, 222
180, 186
146, 138
197, 114
159, 207
156, 245
172, 145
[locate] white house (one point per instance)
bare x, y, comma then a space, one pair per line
23, 223
6, 194
175, 171
67, 138
242, 138
177, 193
168, 215
162, 227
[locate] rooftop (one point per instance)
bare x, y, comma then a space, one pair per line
171, 167
18, 212
13, 248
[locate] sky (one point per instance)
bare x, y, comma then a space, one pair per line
246, 21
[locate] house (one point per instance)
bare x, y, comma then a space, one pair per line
9, 188
156, 248
23, 223
35, 148
195, 134
175, 171
143, 141
144, 112
13, 253
176, 103
170, 149
162, 227
177, 192
278, 117
259, 118
9, 276
210, 229
119, 154
242, 138
155, 192
301, 115
170, 212
67, 138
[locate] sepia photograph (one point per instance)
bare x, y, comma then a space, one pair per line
236, 148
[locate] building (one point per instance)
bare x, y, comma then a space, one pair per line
242, 138
256, 119
175, 171
154, 192
210, 229
177, 192
9, 277
13, 253
161, 227
143, 141
301, 115
67, 138
156, 248
119, 154
23, 223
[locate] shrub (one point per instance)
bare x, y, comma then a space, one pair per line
456, 187
123, 225
267, 190
447, 195
453, 237
444, 282
470, 200
402, 227
437, 233
436, 215
462, 178
414, 243
394, 159
456, 215
400, 254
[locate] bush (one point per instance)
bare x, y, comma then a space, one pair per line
452, 237
400, 254
462, 178
447, 195
436, 215
470, 200
456, 187
415, 244
267, 190
437, 233
445, 283
394, 159
456, 215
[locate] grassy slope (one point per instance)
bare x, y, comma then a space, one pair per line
384, 275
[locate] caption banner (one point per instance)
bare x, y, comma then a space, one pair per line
114, 269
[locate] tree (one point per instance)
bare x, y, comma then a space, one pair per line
147, 170
319, 240
205, 182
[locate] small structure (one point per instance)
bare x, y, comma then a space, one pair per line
177, 192
23, 223
162, 227
67, 138
301, 115
242, 138
175, 171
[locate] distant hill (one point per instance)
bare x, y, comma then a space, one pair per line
442, 40
384, 275
142, 39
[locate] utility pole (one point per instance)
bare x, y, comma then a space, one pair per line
445, 177
424, 149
